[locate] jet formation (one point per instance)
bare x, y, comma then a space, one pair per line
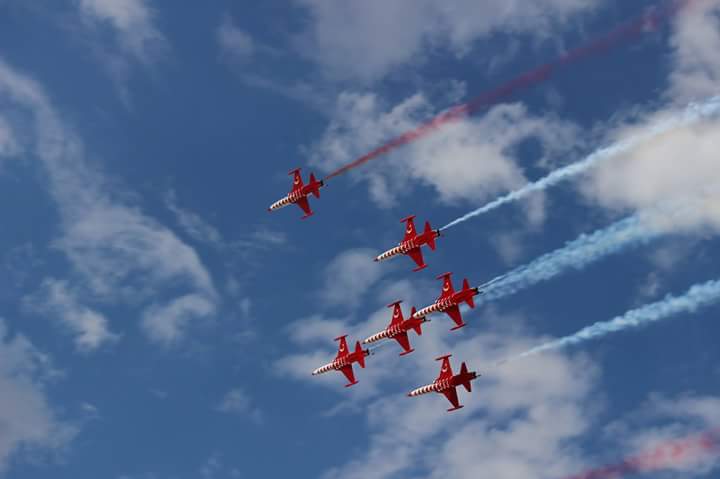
399, 327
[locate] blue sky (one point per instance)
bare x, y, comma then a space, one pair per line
157, 322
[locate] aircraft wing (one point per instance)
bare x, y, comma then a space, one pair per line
404, 341
447, 289
348, 372
454, 313
409, 229
446, 369
417, 256
297, 180
451, 395
342, 348
304, 205
397, 317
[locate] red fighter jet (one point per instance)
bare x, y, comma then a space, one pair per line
449, 301
446, 383
398, 328
299, 193
344, 360
410, 245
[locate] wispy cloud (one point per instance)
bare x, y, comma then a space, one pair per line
168, 322
8, 143
193, 224
59, 302
479, 155
364, 41
118, 253
349, 276
237, 401
136, 38
29, 421
235, 43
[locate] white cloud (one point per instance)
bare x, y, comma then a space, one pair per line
58, 300
193, 224
28, 421
132, 22
237, 401
662, 424
471, 159
234, 42
168, 323
363, 41
679, 168
136, 39
349, 276
8, 144
118, 252
214, 468
695, 41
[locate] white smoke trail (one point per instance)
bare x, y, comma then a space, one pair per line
691, 114
576, 254
698, 296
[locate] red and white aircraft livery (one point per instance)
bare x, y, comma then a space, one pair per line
446, 382
411, 243
398, 328
344, 360
449, 301
299, 193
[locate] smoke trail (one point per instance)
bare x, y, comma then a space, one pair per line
627, 31
698, 296
676, 453
576, 254
692, 113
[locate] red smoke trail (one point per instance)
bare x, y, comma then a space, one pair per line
672, 453
645, 22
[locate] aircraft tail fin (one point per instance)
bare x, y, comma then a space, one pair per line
315, 186
418, 327
360, 353
465, 377
430, 235
466, 288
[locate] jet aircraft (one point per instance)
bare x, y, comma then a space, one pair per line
446, 383
398, 328
299, 193
449, 301
344, 360
411, 243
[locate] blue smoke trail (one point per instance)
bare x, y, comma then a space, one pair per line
692, 113
698, 296
576, 254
